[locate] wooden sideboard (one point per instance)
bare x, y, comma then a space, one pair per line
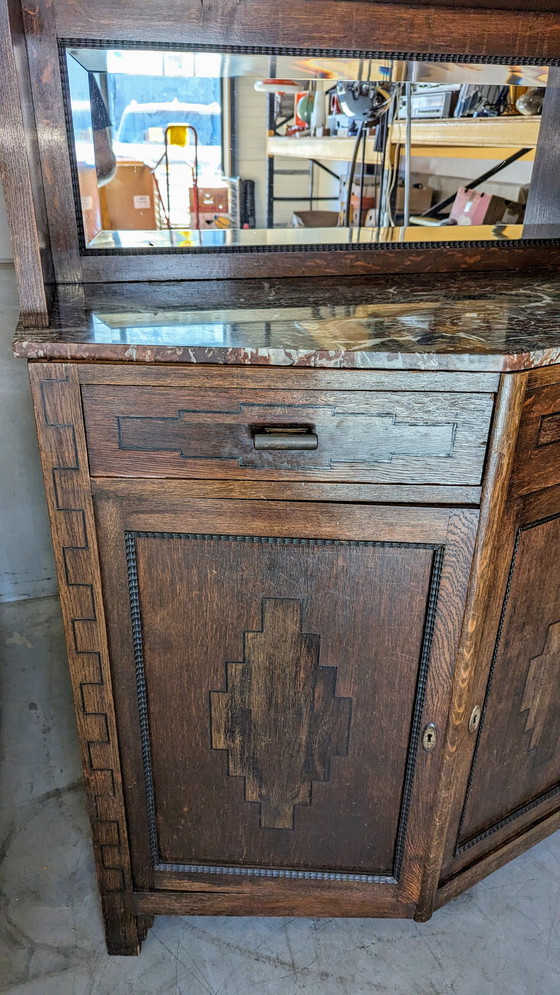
306, 524
312, 614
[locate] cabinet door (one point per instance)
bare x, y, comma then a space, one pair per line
514, 780
275, 667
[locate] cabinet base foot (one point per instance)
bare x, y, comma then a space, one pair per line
124, 934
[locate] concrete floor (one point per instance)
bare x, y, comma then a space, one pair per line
26, 559
501, 938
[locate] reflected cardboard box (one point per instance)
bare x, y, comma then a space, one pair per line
314, 219
213, 207
128, 200
471, 207
89, 199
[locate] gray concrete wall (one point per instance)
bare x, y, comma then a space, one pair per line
5, 245
26, 560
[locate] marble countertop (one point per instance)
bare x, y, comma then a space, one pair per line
467, 322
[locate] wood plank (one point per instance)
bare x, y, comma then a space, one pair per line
489, 863
263, 903
509, 131
290, 490
538, 455
327, 149
321, 520
489, 573
42, 53
526, 34
287, 378
543, 377
19, 171
62, 444
377, 259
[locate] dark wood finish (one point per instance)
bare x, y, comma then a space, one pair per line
517, 760
344, 24
272, 902
279, 717
510, 772
399, 28
538, 451
543, 203
218, 265
297, 490
486, 578
496, 858
42, 52
56, 399
276, 654
166, 542
280, 647
281, 378
20, 173
543, 377
370, 437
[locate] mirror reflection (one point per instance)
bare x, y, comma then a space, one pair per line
181, 150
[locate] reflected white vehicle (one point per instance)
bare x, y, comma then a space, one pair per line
141, 133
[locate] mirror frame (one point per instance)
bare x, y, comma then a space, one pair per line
338, 28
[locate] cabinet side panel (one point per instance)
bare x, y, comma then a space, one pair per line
56, 401
488, 578
20, 171
509, 793
517, 762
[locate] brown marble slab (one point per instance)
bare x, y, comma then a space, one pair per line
474, 322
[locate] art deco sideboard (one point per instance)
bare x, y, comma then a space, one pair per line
307, 530
313, 613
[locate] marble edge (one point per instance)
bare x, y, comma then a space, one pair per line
35, 349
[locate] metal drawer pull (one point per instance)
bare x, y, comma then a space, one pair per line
285, 438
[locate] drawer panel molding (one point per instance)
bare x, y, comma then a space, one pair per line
393, 437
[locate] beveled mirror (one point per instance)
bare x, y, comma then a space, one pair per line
181, 150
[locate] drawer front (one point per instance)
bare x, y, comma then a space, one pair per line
372, 437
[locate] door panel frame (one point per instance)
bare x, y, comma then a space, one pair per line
524, 513
141, 506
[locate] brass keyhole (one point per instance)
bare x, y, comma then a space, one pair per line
429, 736
474, 720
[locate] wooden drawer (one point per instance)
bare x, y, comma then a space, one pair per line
366, 436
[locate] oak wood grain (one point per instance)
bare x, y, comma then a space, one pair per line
57, 406
286, 378
469, 31
370, 437
538, 452
160, 565
20, 173
501, 855
265, 903
42, 53
488, 583
297, 490
503, 255
515, 685
517, 762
